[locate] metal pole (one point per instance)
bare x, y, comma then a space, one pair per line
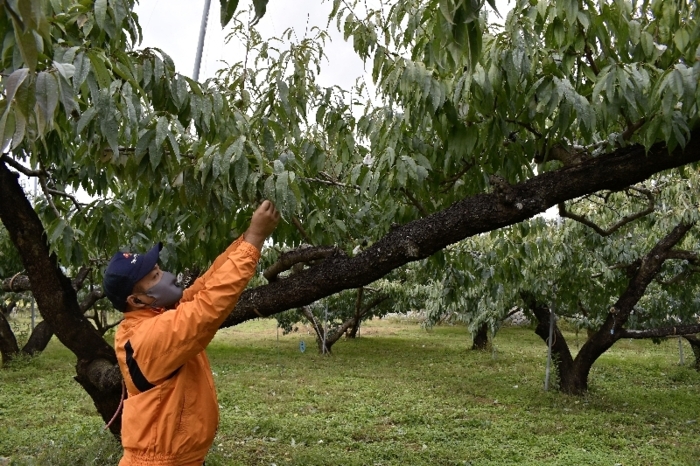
680, 350
325, 329
200, 44
549, 350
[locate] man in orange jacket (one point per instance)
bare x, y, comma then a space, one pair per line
171, 414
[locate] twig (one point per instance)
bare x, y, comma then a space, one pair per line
415, 202
453, 179
21, 168
332, 183
591, 60
527, 126
631, 129
49, 199
69, 196
622, 222
291, 258
300, 228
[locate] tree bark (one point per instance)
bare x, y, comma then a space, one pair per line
8, 342
481, 213
569, 377
55, 297
573, 373
612, 328
695, 345
481, 338
39, 339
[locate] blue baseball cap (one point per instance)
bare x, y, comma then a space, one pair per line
125, 269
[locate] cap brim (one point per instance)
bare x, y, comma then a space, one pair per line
150, 259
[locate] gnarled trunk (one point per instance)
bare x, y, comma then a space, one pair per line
573, 373
695, 346
8, 342
55, 297
481, 338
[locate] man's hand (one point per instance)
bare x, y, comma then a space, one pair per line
263, 223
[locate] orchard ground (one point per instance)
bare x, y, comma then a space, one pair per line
398, 395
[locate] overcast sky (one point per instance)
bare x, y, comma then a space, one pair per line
173, 25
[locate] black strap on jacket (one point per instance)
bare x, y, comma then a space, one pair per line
140, 381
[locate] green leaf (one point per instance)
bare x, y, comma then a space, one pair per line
260, 8
85, 119
281, 193
26, 42
341, 225
401, 173
20, 129
681, 39
82, 68
143, 143
47, 94
161, 130
228, 8
12, 83
648, 44
100, 13
57, 230
100, 69
269, 189
174, 145
7, 128
241, 169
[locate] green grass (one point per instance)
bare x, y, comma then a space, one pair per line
398, 395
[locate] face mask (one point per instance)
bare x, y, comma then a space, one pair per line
166, 292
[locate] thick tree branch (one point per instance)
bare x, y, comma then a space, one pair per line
19, 283
481, 213
622, 222
688, 329
53, 291
91, 298
291, 258
21, 168
16, 284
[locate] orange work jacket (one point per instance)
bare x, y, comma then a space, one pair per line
171, 413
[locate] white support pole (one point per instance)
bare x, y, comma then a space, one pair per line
33, 314
325, 329
549, 349
200, 44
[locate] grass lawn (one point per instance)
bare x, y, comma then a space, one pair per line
399, 395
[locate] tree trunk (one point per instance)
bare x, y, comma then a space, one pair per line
481, 338
8, 342
354, 327
55, 297
569, 376
321, 337
39, 339
695, 345
573, 373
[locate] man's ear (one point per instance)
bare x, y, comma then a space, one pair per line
134, 302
